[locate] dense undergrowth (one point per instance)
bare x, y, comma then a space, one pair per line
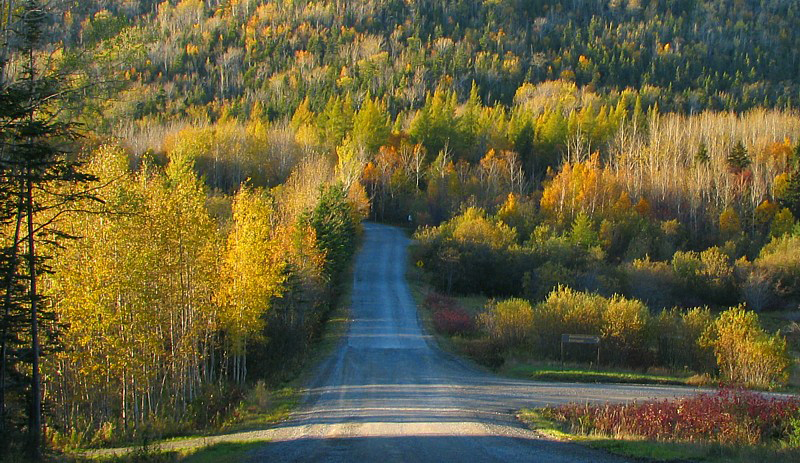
726, 417
728, 425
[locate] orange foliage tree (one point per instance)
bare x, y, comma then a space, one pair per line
584, 187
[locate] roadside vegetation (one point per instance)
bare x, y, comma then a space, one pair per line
693, 347
729, 425
258, 406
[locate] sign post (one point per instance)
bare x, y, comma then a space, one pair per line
580, 339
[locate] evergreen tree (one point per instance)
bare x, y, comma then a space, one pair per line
40, 180
737, 158
639, 119
371, 125
333, 221
701, 156
336, 120
582, 233
791, 196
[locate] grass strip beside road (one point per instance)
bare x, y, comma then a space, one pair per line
225, 452
581, 375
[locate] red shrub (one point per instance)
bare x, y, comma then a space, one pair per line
448, 317
727, 417
453, 321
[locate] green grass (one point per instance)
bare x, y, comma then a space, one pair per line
263, 407
578, 374
226, 452
654, 451
633, 447
223, 452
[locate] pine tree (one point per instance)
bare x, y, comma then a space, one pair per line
583, 233
333, 222
371, 125
738, 159
336, 120
302, 115
639, 119
701, 156
791, 196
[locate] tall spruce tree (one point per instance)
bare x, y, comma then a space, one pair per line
738, 159
40, 180
791, 197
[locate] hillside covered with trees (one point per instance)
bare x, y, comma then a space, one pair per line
182, 183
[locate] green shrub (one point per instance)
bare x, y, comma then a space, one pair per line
676, 333
483, 351
755, 285
705, 276
651, 281
745, 353
717, 276
470, 254
793, 431
549, 276
473, 227
687, 266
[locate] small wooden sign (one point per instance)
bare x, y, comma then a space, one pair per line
580, 339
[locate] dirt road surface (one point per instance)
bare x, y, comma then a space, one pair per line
387, 394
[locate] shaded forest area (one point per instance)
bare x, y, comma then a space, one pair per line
207, 165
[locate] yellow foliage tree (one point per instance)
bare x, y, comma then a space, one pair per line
252, 270
729, 223
583, 187
765, 212
745, 353
782, 222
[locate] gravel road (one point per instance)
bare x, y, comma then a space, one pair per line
388, 394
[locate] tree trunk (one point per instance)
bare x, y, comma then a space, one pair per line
35, 418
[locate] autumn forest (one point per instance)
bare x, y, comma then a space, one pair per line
182, 186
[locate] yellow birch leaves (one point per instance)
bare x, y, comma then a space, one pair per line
253, 271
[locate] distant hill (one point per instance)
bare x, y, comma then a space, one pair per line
687, 55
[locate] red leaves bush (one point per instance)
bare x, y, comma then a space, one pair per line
448, 317
726, 417
453, 321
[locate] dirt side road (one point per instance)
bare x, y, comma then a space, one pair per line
388, 395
